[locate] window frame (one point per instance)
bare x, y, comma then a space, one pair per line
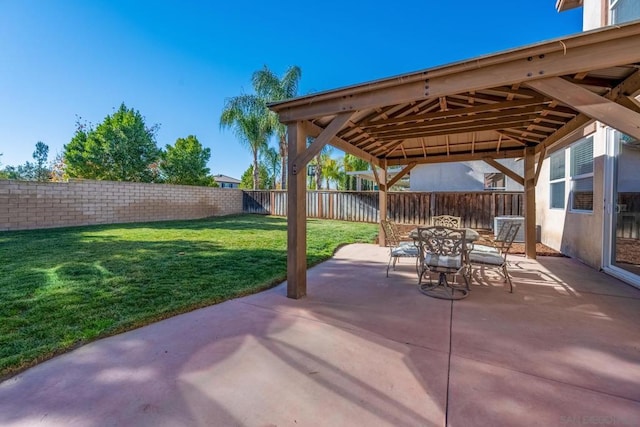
556, 181
611, 13
572, 179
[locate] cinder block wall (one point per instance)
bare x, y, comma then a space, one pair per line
29, 205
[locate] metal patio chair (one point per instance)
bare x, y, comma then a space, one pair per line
447, 221
443, 251
397, 247
495, 256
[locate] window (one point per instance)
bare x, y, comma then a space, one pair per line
494, 181
557, 179
582, 175
623, 11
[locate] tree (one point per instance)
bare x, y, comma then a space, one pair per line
331, 172
352, 164
40, 155
272, 88
246, 181
121, 148
24, 172
271, 161
245, 114
186, 163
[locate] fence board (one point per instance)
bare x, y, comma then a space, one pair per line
477, 209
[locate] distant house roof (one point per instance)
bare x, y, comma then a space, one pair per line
225, 178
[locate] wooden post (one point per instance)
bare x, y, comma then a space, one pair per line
382, 192
296, 216
530, 202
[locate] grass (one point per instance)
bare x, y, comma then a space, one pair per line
60, 288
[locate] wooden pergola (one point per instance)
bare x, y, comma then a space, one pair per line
524, 103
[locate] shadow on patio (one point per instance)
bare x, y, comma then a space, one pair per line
362, 349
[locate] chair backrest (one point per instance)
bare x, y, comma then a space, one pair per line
447, 221
391, 234
509, 232
502, 232
442, 241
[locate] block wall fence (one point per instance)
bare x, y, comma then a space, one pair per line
29, 205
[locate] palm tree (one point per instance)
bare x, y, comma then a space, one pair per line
272, 88
245, 115
352, 164
323, 157
331, 172
271, 160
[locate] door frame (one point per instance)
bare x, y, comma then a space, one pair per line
612, 148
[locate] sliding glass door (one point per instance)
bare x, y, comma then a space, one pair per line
622, 254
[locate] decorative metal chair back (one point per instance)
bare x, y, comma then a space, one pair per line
443, 251
442, 241
503, 243
447, 221
392, 237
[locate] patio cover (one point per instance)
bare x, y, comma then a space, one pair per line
524, 103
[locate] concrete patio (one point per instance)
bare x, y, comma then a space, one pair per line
362, 349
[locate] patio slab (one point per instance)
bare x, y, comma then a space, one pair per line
362, 349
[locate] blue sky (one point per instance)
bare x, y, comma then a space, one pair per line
177, 61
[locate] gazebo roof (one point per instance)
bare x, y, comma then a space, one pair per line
525, 102
487, 107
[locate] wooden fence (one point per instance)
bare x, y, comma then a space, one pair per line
477, 209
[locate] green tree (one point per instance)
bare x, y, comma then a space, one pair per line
24, 172
271, 161
3, 174
186, 163
41, 171
352, 164
272, 88
245, 114
121, 148
246, 181
331, 172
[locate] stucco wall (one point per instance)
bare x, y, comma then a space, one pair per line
461, 176
576, 234
29, 205
592, 14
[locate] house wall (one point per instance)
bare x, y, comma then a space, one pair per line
30, 205
593, 12
576, 234
461, 176
581, 235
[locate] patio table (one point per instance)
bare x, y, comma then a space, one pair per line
471, 235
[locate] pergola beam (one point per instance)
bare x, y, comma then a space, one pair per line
580, 122
453, 121
590, 104
462, 157
458, 112
400, 174
315, 130
505, 170
327, 134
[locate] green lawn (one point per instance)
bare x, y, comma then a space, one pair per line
63, 287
